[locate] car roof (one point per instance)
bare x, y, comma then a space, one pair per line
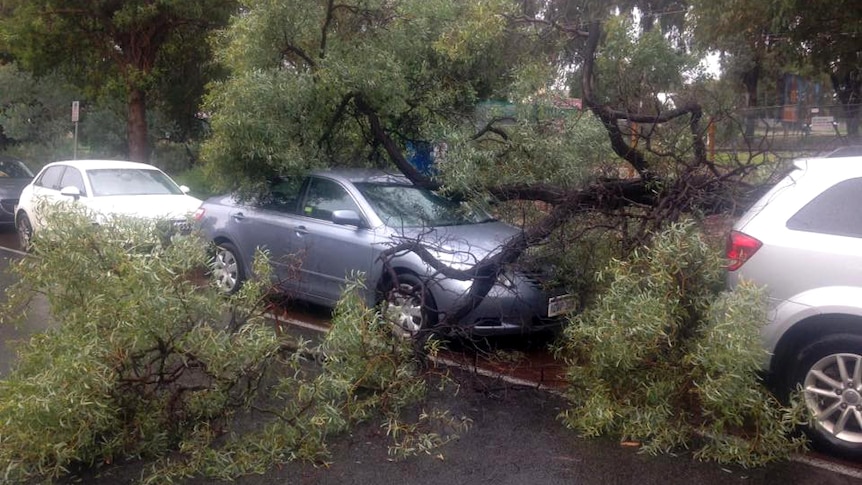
364, 175
810, 177
839, 167
102, 164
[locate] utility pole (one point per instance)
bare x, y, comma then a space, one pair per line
76, 111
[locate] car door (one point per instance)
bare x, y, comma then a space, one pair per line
330, 252
267, 224
45, 190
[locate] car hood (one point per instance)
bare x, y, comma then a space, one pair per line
463, 244
12, 187
146, 206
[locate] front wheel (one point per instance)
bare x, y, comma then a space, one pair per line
25, 231
409, 306
227, 268
830, 374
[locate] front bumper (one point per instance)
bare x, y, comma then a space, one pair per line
7, 210
516, 305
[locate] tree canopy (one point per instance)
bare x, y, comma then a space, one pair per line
827, 35
762, 40
366, 82
138, 46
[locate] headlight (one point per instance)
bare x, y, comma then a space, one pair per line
458, 260
506, 279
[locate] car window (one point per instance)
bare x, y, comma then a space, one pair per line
72, 178
283, 195
131, 181
835, 211
14, 169
411, 206
50, 178
325, 196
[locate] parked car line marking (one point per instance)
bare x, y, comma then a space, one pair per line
823, 464
13, 251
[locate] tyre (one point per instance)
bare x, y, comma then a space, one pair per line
410, 307
829, 372
227, 269
25, 231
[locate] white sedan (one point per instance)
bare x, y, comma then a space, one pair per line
106, 187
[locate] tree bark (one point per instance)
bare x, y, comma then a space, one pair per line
849, 92
750, 79
137, 126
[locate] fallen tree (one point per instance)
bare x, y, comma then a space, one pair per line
372, 83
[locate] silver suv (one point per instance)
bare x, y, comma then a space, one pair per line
803, 242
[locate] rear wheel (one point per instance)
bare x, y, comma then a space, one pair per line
410, 307
830, 374
227, 268
25, 231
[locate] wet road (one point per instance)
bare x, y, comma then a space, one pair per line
37, 316
8, 238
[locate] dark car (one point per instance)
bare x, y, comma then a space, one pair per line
14, 176
322, 228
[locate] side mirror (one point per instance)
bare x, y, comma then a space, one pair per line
185, 189
71, 191
347, 218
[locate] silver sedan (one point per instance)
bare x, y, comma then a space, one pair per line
322, 228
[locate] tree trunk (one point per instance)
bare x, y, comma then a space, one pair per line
750, 79
849, 92
852, 121
137, 126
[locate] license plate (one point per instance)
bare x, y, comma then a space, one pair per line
560, 305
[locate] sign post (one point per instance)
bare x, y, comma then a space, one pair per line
76, 111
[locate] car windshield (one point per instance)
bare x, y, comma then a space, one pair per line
410, 206
14, 169
131, 181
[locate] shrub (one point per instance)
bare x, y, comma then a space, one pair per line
147, 360
666, 357
365, 373
139, 354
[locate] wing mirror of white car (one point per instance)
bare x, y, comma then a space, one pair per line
185, 189
346, 217
71, 191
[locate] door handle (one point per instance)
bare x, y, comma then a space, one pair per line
238, 216
301, 230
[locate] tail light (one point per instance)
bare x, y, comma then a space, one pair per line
740, 248
199, 214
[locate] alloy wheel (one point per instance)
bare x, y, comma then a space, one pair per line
833, 393
225, 270
25, 233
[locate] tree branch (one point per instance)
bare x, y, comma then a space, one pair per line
324, 31
523, 19
290, 48
395, 153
